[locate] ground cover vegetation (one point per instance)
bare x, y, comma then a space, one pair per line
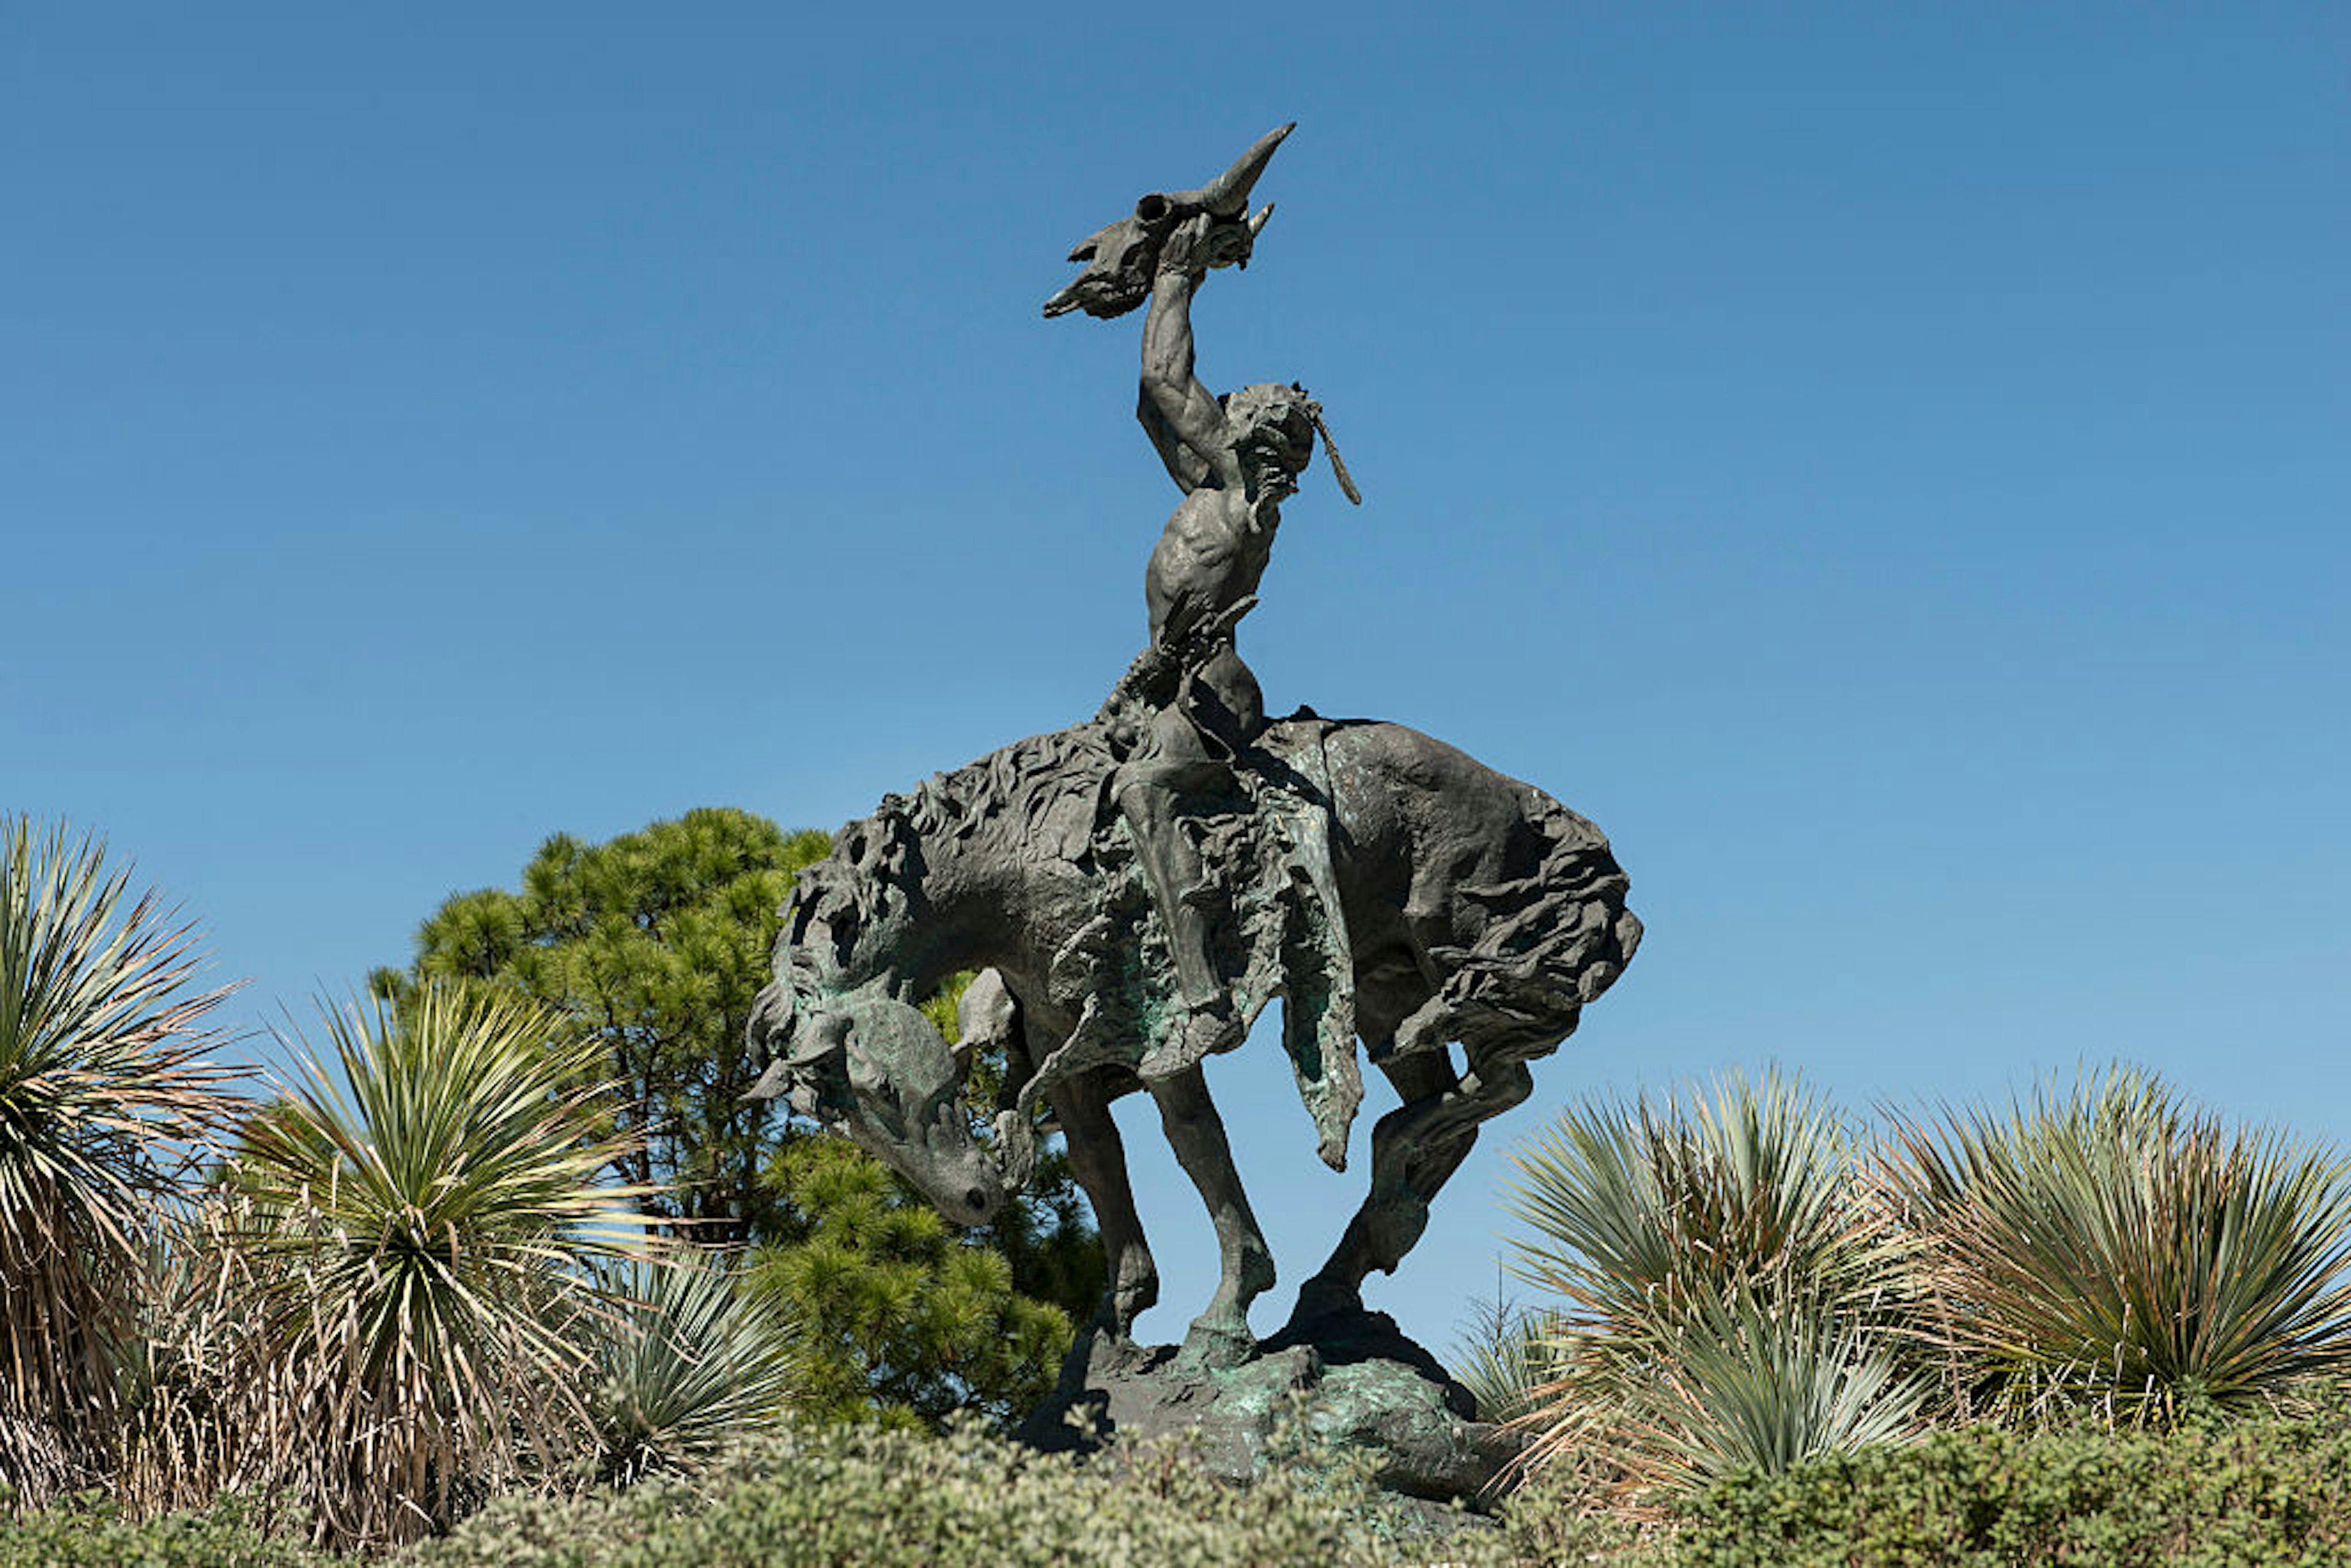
414, 1305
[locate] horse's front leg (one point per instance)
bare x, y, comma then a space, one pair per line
1415, 1149
1219, 1336
1098, 1159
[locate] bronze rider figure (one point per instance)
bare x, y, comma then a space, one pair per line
1236, 459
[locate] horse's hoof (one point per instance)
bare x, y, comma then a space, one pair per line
1321, 1303
1212, 1346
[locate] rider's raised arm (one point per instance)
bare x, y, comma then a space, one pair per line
1187, 411
1188, 471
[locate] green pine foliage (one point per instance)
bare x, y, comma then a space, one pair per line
895, 1308
1045, 1233
655, 945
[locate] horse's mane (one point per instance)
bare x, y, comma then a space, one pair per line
1044, 785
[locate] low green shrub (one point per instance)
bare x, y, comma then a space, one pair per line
87, 1531
880, 1498
2263, 1492
1563, 1515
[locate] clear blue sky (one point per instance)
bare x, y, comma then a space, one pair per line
1887, 464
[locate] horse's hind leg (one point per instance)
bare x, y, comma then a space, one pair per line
1416, 1149
1220, 1335
1098, 1159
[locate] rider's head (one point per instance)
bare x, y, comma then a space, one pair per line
1273, 430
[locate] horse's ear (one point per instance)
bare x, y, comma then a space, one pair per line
817, 1043
987, 1017
799, 1050
776, 1084
987, 1013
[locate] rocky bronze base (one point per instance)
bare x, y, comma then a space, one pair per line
1358, 1385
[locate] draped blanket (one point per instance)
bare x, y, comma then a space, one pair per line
1277, 930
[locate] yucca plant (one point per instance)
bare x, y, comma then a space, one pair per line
2119, 1250
420, 1217
688, 1363
1760, 1381
103, 1092
1629, 1206
1693, 1254
1501, 1354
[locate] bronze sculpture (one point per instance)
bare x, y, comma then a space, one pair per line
1141, 885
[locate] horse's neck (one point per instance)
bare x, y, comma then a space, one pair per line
938, 921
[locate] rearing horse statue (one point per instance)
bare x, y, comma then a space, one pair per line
1466, 908
1144, 884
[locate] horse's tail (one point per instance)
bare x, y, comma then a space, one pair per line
1552, 941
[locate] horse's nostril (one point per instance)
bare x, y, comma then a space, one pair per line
974, 1200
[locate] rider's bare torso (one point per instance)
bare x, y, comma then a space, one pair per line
1236, 460
1209, 558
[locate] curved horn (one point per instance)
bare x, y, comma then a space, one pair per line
1228, 195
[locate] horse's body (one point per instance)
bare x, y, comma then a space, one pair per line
1472, 908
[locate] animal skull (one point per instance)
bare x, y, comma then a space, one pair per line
1120, 258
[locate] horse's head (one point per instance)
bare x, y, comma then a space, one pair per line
872, 1067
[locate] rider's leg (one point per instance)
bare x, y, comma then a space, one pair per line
1179, 881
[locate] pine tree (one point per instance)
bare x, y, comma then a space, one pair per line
657, 943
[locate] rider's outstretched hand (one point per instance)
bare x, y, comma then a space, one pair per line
1230, 240
1185, 247
1202, 241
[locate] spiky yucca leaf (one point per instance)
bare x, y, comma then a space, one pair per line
1746, 1382
688, 1363
1710, 1225
2117, 1248
102, 1090
1629, 1207
1502, 1355
193, 1374
420, 1214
